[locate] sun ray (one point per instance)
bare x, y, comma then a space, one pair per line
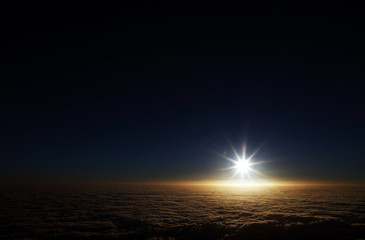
229, 159
234, 150
227, 168
244, 147
256, 163
236, 172
257, 172
256, 151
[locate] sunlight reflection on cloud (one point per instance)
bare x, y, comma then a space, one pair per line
181, 212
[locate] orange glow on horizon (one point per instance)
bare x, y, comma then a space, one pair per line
266, 184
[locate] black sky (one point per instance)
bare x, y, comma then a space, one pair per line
150, 92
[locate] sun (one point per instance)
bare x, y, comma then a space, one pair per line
243, 166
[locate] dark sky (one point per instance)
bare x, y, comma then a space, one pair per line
150, 92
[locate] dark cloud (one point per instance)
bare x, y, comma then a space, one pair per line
147, 212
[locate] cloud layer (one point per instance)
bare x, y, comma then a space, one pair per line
167, 212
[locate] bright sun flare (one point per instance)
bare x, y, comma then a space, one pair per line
242, 165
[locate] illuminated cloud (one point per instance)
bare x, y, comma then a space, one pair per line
143, 212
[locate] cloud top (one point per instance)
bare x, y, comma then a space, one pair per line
170, 212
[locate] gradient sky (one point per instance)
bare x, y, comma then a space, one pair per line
151, 92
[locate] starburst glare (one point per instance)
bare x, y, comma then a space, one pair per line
242, 165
